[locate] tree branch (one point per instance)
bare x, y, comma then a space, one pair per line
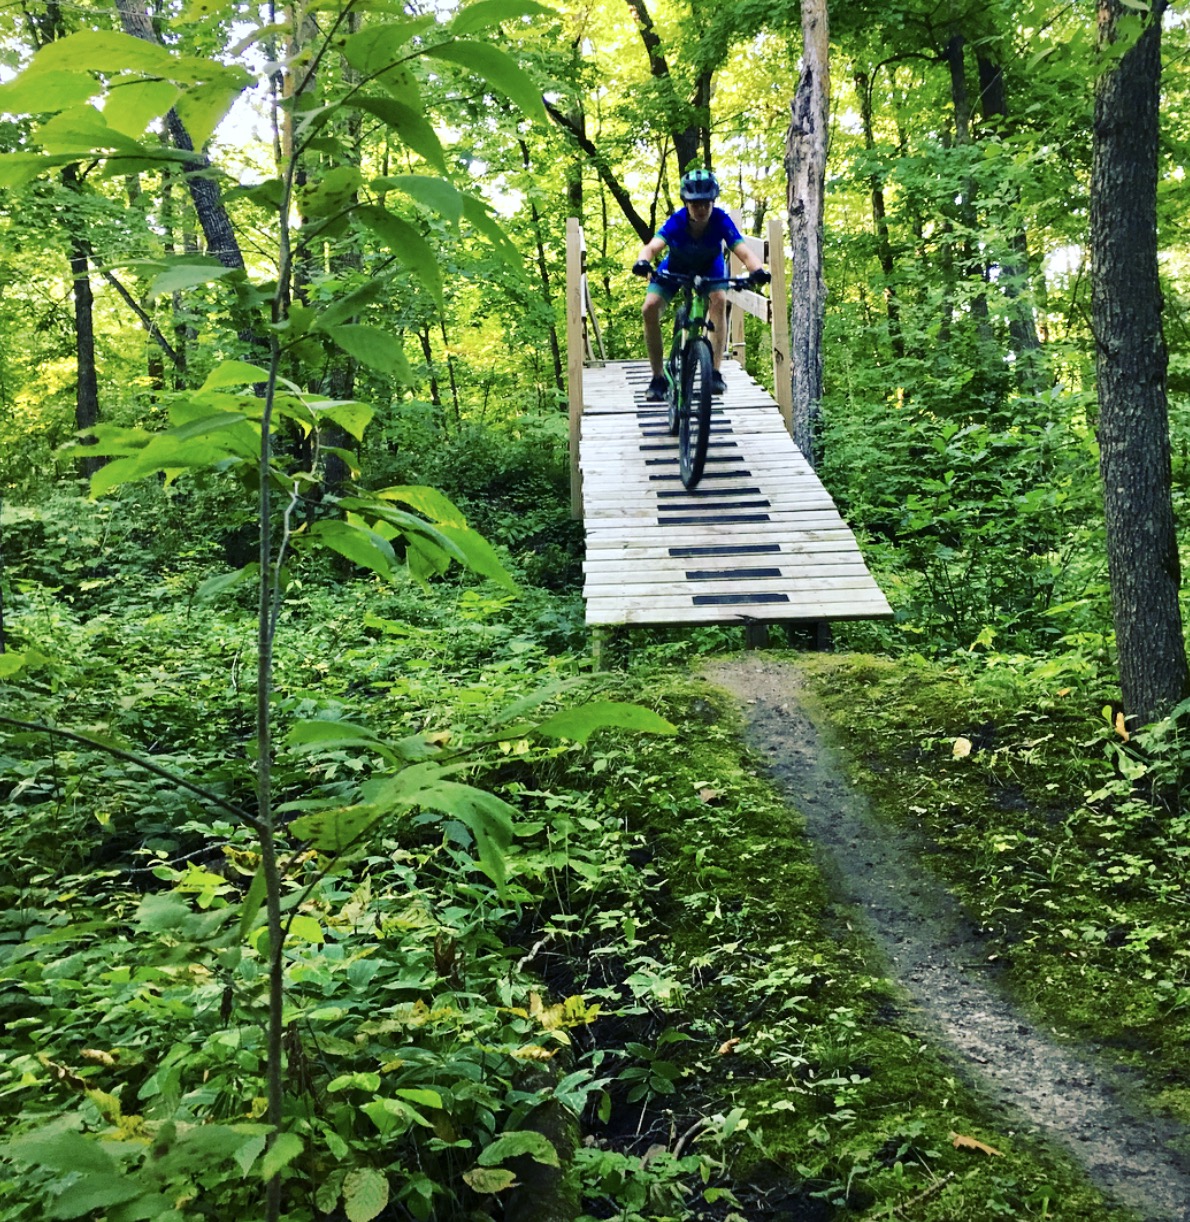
643, 228
139, 760
150, 326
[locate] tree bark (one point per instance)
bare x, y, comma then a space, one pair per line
1131, 360
86, 399
204, 190
805, 164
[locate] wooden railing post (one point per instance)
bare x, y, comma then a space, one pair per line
574, 356
736, 346
779, 294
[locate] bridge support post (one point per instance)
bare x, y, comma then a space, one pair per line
574, 356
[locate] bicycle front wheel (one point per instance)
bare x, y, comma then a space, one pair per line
694, 431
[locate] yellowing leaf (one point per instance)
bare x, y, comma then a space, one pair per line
1121, 726
971, 1143
534, 1052
729, 1046
489, 1179
962, 748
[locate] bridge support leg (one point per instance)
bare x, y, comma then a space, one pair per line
599, 640
756, 636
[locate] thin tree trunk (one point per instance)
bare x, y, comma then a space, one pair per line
1131, 360
863, 88
805, 164
1014, 269
543, 271
86, 400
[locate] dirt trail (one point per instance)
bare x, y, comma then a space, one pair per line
1057, 1091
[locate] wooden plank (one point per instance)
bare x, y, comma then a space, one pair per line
601, 613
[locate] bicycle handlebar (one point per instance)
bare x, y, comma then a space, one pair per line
703, 284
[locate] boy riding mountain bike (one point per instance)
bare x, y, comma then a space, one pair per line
695, 238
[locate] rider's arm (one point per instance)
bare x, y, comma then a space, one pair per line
747, 256
651, 249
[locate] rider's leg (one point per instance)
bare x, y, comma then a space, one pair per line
651, 312
718, 316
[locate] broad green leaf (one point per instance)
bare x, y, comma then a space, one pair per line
186, 273
478, 554
365, 1194
488, 818
480, 215
487, 13
367, 1081
46, 92
496, 67
410, 126
361, 546
373, 347
333, 192
438, 194
202, 108
429, 502
336, 734
513, 1145
393, 1117
104, 51
234, 373
489, 1180
84, 132
132, 105
61, 1149
306, 929
20, 169
253, 901
406, 243
333, 831
581, 722
94, 1192
281, 1153
349, 414
348, 307
423, 1098
382, 45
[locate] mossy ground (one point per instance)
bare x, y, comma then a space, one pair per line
848, 1109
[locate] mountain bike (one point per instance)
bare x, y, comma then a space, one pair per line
690, 365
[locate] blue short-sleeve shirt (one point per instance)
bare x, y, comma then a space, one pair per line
702, 256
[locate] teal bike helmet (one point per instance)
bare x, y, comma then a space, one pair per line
699, 184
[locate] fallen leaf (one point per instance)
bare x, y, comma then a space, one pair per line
962, 748
729, 1046
970, 1143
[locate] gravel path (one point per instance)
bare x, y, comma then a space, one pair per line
1059, 1091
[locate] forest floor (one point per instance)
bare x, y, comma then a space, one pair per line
1051, 1088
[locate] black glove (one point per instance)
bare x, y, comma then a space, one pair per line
759, 277
642, 267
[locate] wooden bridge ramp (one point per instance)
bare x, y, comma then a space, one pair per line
757, 541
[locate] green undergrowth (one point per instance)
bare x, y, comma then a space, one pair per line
651, 954
1068, 845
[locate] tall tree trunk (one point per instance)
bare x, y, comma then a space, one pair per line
863, 88
1131, 358
86, 399
805, 165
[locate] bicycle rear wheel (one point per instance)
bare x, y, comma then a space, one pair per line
694, 427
